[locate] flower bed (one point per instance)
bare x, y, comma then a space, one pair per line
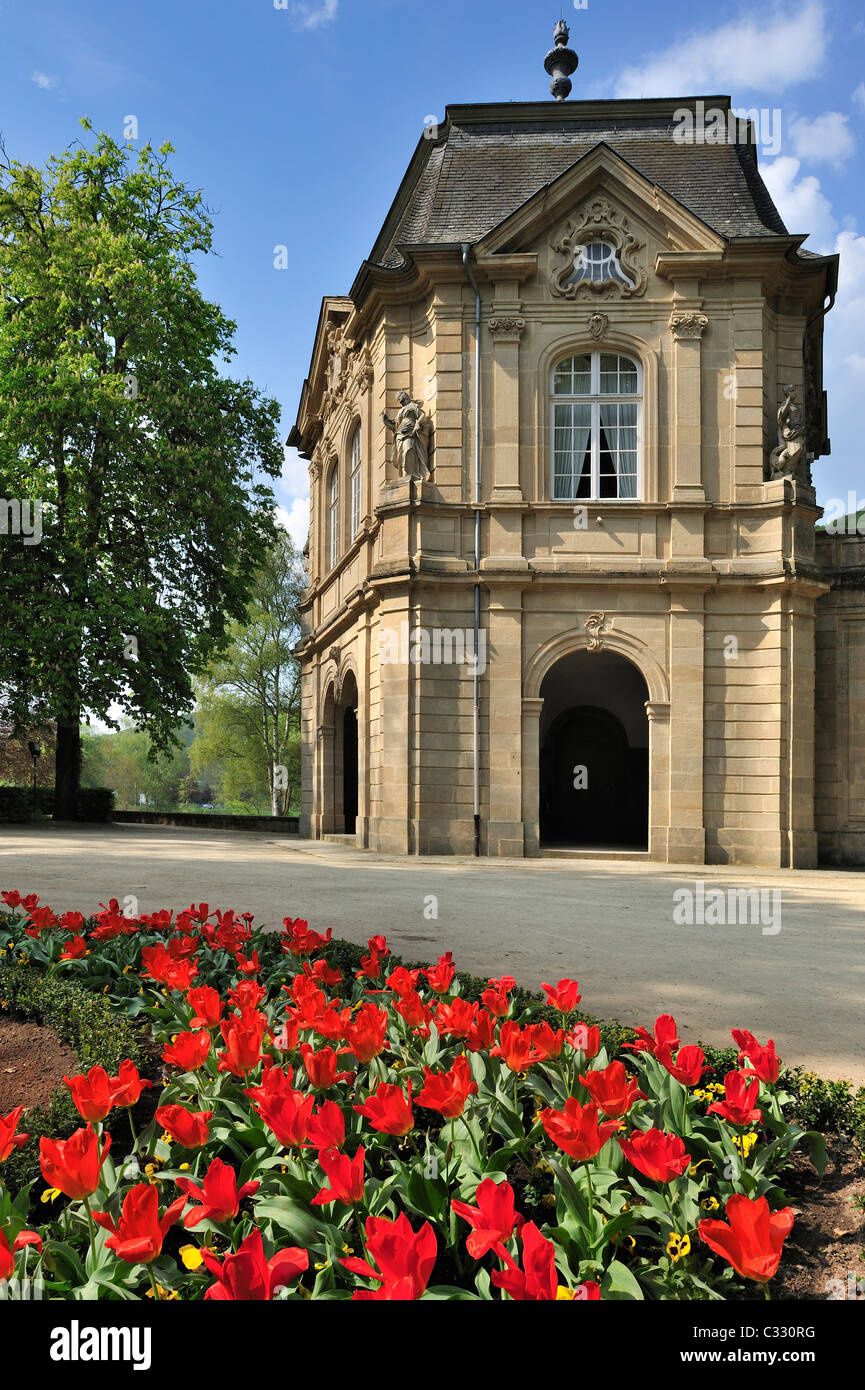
371, 1133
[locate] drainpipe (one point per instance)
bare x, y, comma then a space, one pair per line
466, 250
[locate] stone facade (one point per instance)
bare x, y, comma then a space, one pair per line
645, 668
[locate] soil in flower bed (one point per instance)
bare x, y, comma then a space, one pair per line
828, 1239
33, 1062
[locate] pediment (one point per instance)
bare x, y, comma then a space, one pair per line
601, 196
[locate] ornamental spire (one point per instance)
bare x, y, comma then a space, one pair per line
560, 62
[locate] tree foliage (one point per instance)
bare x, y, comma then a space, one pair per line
248, 716
150, 464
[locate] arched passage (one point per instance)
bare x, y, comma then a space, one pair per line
594, 753
339, 758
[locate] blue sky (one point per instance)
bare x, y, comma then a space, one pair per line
298, 119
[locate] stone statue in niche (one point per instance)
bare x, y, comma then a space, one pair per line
412, 431
788, 459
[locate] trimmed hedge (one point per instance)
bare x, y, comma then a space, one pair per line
85, 1021
20, 803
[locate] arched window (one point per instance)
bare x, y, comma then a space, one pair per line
333, 517
354, 484
596, 403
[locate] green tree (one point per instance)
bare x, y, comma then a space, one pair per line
248, 716
150, 465
124, 762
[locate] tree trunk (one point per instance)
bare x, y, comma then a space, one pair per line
67, 771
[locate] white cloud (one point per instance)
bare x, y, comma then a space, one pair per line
801, 203
43, 80
295, 520
769, 54
859, 96
823, 139
314, 16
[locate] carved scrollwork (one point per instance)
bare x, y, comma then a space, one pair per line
598, 220
594, 624
598, 325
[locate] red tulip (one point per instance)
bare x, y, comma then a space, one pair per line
481, 1034
74, 949
497, 998
764, 1062
612, 1089
585, 1038
242, 1037
659, 1156
688, 1066
565, 996
455, 1020
516, 1047
405, 1259
275, 1081
536, 1282
326, 1128
402, 981
665, 1036
206, 1005
219, 1195
7, 1253
186, 1127
547, 1042
247, 1277
492, 1220
345, 1176
127, 1085
414, 1011
576, 1131
137, 1238
751, 1239
388, 1110
287, 1115
321, 1067
189, 1051
441, 976
365, 1035
447, 1092
74, 1165
740, 1095
91, 1094
9, 1140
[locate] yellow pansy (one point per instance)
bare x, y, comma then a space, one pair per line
50, 1194
710, 1204
678, 1246
191, 1256
564, 1295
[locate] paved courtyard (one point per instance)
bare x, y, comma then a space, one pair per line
609, 924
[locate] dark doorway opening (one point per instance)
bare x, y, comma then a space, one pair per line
594, 754
349, 770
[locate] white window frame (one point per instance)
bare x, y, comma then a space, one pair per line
355, 482
594, 399
333, 516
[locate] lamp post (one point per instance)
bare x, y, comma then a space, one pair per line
35, 753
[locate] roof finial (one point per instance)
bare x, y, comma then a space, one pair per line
560, 62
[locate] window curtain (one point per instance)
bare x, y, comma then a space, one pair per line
572, 425
619, 424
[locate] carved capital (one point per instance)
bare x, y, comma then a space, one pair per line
688, 323
506, 328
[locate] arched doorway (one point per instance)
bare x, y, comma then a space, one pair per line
594, 753
349, 769
338, 758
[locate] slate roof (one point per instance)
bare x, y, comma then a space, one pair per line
489, 160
